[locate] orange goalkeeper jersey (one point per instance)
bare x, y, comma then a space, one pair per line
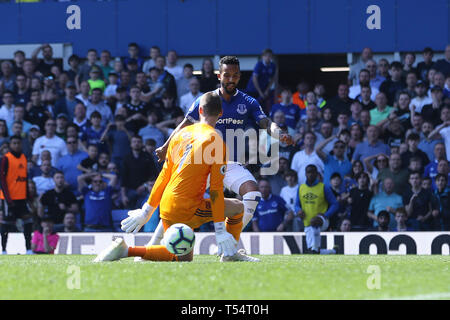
193, 153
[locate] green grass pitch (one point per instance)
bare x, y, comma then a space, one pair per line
279, 277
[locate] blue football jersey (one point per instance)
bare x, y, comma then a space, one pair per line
239, 113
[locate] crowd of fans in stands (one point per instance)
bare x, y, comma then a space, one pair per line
90, 131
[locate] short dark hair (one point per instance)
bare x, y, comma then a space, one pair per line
413, 136
384, 213
211, 103
133, 44
97, 89
95, 114
440, 175
312, 166
428, 50
15, 138
188, 65
335, 175
229, 60
396, 65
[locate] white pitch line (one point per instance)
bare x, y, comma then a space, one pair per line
430, 296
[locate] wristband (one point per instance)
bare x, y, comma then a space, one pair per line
219, 227
146, 208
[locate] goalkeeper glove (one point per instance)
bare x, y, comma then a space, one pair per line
226, 244
136, 219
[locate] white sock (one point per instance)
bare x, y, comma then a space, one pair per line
312, 238
157, 235
250, 201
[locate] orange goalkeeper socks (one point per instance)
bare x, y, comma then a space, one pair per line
234, 225
154, 253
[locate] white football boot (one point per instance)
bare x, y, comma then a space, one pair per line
239, 256
117, 250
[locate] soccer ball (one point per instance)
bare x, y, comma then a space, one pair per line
179, 239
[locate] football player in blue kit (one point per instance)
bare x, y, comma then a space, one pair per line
239, 112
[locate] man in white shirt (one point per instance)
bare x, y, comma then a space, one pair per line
364, 80
44, 182
7, 109
97, 104
50, 142
306, 157
172, 67
187, 99
421, 99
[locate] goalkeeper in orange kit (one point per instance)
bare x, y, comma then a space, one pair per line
194, 153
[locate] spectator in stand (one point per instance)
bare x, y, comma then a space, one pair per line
18, 115
337, 162
411, 83
56, 202
111, 88
409, 60
150, 131
133, 54
44, 182
121, 99
315, 202
99, 105
264, 76
69, 224
138, 170
319, 91
277, 181
128, 76
85, 69
412, 141
345, 225
364, 80
172, 67
19, 58
271, 214
67, 164
49, 142
84, 95
384, 222
150, 63
443, 65
383, 68
391, 86
62, 122
359, 200
443, 130
97, 202
364, 97
67, 103
289, 195
169, 110
306, 157
400, 218
438, 81
136, 111
299, 97
431, 112
105, 64
442, 194
375, 78
166, 78
74, 63
426, 144
442, 168
341, 102
386, 200
396, 172
382, 111
420, 205
370, 147
290, 110
7, 109
45, 240
208, 79
156, 87
118, 139
426, 64
355, 68
355, 109
43, 66
21, 90
439, 154
183, 82
149, 148
189, 98
312, 122
95, 79
36, 112
90, 163
3, 132
421, 98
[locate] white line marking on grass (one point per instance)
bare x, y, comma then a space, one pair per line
430, 296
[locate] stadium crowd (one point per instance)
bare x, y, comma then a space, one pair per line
381, 144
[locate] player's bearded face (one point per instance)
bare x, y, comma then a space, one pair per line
229, 78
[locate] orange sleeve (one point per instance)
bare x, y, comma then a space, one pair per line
216, 188
163, 179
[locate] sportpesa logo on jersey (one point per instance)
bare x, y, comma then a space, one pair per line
230, 121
